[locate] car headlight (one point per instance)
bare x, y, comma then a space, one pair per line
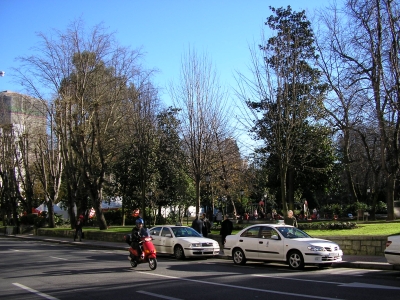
195, 245
315, 248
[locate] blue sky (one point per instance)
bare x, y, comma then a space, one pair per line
223, 29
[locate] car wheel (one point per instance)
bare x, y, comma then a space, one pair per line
178, 252
324, 266
295, 260
238, 257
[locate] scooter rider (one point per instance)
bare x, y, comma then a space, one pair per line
137, 233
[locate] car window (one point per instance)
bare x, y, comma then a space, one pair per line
267, 232
251, 232
155, 231
292, 232
185, 232
165, 231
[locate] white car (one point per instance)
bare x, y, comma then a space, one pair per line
182, 241
392, 251
281, 243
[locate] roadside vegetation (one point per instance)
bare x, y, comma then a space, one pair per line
361, 228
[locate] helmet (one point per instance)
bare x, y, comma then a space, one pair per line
139, 221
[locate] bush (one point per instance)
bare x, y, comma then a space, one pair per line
28, 219
328, 225
40, 220
113, 217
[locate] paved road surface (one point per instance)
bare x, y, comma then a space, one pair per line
34, 269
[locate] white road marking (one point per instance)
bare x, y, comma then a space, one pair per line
158, 295
240, 287
35, 291
58, 258
353, 284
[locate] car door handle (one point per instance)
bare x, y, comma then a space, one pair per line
260, 242
240, 240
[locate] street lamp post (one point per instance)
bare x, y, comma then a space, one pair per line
241, 197
224, 202
209, 187
149, 195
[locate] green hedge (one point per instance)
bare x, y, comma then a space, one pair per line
328, 225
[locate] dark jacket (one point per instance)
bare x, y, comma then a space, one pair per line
197, 225
226, 227
78, 225
290, 221
206, 227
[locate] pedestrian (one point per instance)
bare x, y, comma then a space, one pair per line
78, 228
290, 219
218, 218
226, 229
255, 214
197, 225
206, 229
247, 217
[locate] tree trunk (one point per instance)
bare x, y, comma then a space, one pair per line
197, 195
283, 171
290, 189
390, 197
50, 212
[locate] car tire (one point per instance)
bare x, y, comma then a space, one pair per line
295, 260
238, 256
178, 252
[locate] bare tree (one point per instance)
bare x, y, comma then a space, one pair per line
49, 164
88, 74
201, 100
367, 45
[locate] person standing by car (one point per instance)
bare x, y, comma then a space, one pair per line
198, 224
206, 226
290, 219
226, 229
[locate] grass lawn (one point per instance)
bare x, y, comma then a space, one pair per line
363, 229
372, 229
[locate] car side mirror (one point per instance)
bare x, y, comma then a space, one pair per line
168, 235
274, 237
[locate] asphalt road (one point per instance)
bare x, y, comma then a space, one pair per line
40, 270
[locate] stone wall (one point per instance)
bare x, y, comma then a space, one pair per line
360, 245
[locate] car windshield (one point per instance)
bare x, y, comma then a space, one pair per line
184, 232
292, 232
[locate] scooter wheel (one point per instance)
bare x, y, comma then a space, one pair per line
153, 263
133, 263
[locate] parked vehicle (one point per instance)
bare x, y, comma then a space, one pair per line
183, 241
148, 251
392, 251
281, 243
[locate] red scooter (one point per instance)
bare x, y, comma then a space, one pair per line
148, 251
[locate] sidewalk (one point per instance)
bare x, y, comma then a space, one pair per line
349, 261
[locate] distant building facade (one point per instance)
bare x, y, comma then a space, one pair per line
25, 115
